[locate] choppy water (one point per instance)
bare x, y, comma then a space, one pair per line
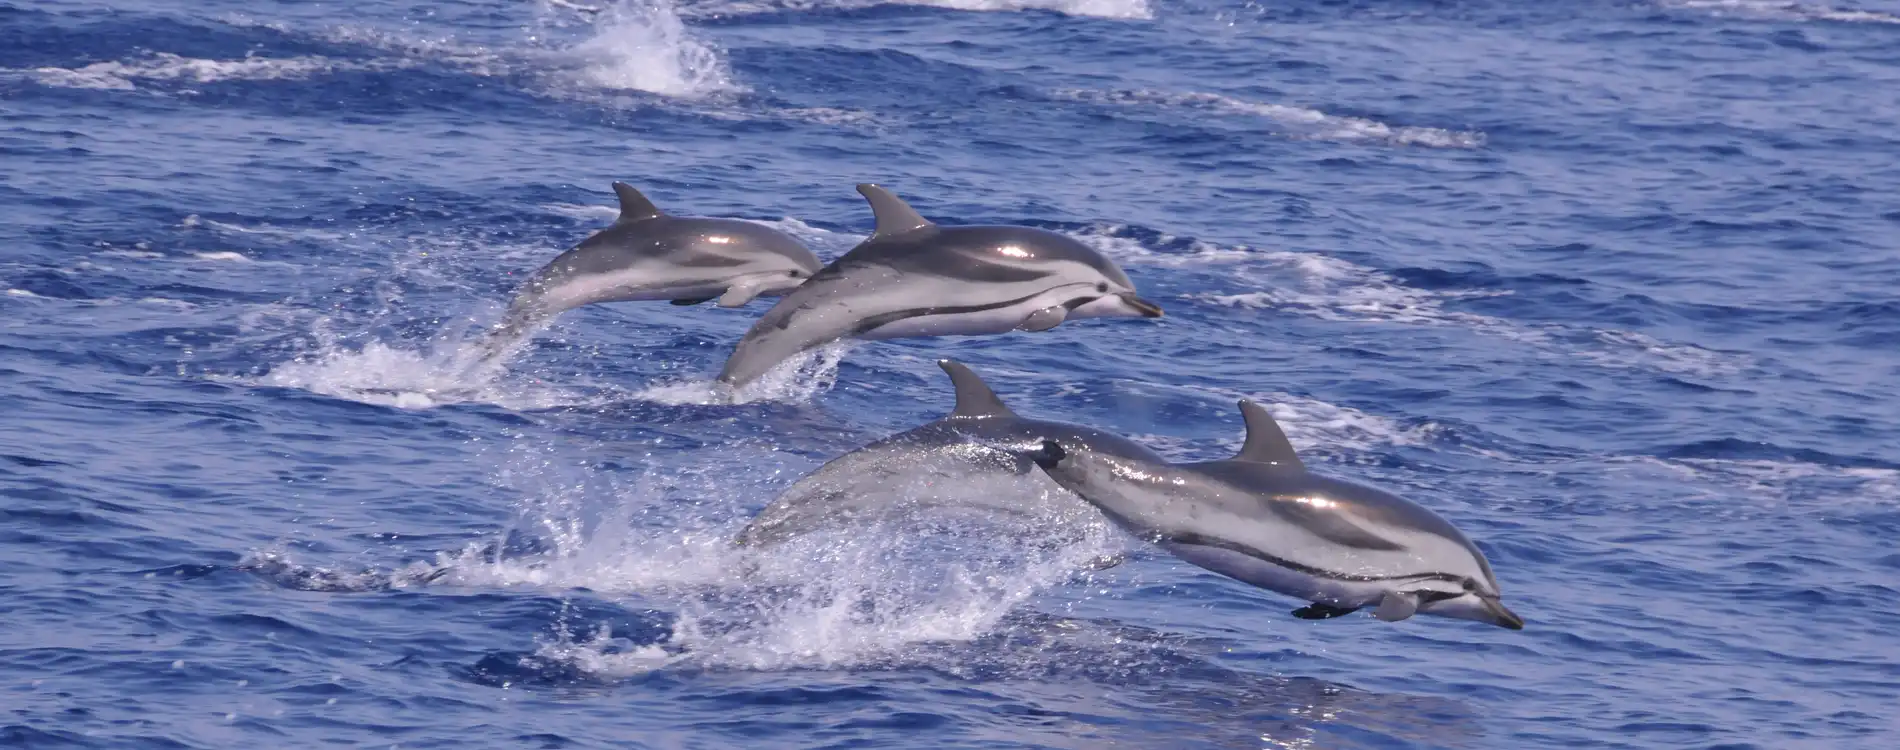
1608, 284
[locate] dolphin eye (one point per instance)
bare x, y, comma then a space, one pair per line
794, 274
1102, 287
1469, 584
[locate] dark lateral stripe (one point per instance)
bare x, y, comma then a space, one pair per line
1207, 541
874, 322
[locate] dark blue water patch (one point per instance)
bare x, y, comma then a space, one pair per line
1732, 448
71, 41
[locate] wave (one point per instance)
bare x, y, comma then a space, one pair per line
1294, 121
125, 75
1333, 289
1115, 9
1780, 10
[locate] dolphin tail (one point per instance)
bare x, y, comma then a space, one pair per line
517, 326
767, 345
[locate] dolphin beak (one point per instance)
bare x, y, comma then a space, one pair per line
1146, 308
1500, 615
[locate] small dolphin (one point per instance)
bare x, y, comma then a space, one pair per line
940, 465
914, 278
1262, 518
649, 255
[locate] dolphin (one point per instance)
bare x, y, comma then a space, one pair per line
915, 278
942, 465
650, 255
1263, 519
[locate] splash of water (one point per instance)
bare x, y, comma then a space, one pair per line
795, 380
643, 45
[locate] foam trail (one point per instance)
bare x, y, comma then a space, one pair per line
1300, 122
124, 75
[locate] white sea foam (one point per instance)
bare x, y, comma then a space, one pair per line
1628, 349
222, 257
22, 293
305, 234
1334, 289
1780, 10
124, 75
1294, 121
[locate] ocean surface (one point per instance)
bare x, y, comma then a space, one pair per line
1610, 285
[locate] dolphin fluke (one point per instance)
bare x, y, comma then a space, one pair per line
974, 397
893, 215
634, 205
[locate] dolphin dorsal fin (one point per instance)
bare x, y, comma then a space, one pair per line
633, 205
1266, 444
974, 397
894, 216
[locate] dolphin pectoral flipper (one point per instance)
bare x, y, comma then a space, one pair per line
694, 301
739, 294
1396, 606
1317, 611
1044, 319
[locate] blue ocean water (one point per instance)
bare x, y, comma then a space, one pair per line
1611, 285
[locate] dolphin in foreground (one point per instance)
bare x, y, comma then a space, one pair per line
915, 278
650, 255
1262, 518
941, 465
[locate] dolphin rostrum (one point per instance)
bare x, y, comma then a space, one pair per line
915, 278
1263, 519
650, 255
941, 465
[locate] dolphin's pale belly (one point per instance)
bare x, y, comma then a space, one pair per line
969, 320
634, 285
1267, 575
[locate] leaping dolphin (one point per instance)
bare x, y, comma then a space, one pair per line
1262, 518
650, 255
915, 278
940, 465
